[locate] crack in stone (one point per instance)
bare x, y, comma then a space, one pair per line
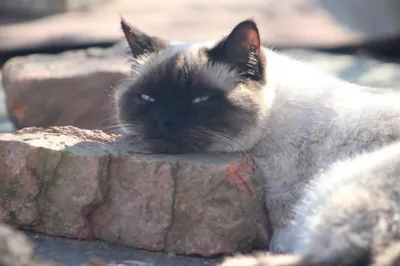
157, 168
104, 187
40, 199
101, 194
174, 174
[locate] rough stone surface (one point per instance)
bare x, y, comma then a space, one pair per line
73, 88
83, 184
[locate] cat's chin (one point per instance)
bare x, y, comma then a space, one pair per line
166, 147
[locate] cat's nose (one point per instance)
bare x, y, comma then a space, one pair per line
165, 127
164, 122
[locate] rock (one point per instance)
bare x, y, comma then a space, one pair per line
44, 7
73, 88
83, 184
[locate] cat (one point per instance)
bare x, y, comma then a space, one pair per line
235, 95
349, 215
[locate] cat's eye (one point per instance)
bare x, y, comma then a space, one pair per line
200, 99
146, 97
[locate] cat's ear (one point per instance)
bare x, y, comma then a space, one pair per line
240, 48
141, 43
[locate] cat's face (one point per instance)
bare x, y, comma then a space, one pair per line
194, 97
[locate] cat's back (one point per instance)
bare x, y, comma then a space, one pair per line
315, 121
323, 117
299, 81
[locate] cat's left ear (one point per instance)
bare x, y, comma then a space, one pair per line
241, 48
141, 43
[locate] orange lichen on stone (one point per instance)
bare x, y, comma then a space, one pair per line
239, 172
17, 110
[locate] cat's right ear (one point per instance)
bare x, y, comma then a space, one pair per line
141, 43
242, 49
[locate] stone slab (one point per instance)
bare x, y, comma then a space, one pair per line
65, 181
73, 88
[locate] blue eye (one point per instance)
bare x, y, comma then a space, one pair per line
200, 99
146, 97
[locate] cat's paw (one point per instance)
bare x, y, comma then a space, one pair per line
264, 259
285, 240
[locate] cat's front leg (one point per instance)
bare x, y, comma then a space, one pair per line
284, 240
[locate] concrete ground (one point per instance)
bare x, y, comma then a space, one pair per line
76, 253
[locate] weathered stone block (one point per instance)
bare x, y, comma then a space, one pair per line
85, 184
74, 88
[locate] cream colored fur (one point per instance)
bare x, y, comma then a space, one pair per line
314, 121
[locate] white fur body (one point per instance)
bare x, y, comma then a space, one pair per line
314, 121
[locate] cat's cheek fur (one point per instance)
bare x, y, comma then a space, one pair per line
126, 110
121, 114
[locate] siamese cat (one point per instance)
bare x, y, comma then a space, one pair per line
234, 95
349, 215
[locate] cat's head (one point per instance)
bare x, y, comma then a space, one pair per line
185, 97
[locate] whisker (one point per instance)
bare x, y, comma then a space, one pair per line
225, 138
119, 128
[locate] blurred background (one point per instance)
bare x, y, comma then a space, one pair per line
61, 59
